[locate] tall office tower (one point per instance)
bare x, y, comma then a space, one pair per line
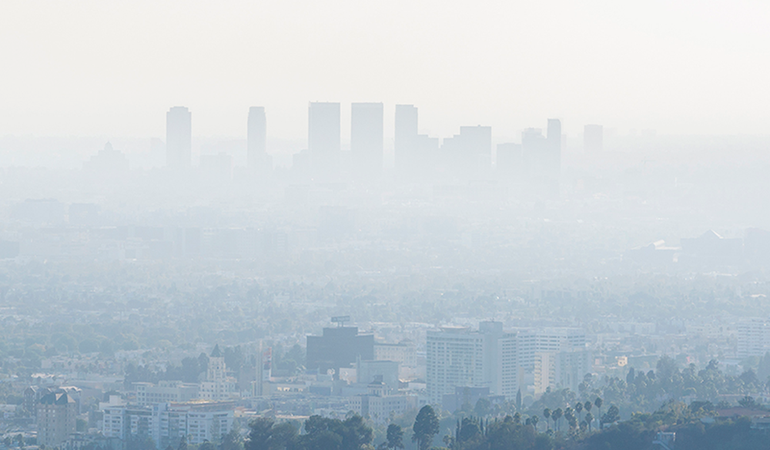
256, 140
366, 138
561, 369
459, 357
478, 145
554, 145
753, 337
405, 138
324, 138
534, 153
593, 139
537, 340
178, 137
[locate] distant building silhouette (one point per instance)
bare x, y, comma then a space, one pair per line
593, 139
468, 153
178, 138
405, 138
108, 161
534, 152
366, 138
324, 138
554, 146
257, 159
541, 157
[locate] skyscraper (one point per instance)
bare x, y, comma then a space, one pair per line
459, 357
405, 138
554, 146
256, 137
534, 152
366, 138
178, 137
593, 139
324, 138
478, 141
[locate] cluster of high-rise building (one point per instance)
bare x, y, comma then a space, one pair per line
460, 362
503, 362
467, 155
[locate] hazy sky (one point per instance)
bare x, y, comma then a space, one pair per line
114, 67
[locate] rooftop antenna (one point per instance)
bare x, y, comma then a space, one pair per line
340, 320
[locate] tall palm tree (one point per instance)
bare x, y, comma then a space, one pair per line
555, 416
579, 409
547, 415
598, 402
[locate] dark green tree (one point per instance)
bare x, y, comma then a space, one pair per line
395, 437
611, 416
470, 430
265, 434
425, 427
555, 416
231, 441
207, 446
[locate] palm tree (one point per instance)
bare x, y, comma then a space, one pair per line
569, 415
555, 416
598, 403
535, 420
589, 420
547, 415
579, 409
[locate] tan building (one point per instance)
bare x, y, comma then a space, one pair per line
403, 353
165, 392
56, 415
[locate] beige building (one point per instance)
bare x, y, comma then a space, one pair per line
403, 353
56, 415
165, 392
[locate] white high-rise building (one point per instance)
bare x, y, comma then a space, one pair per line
553, 339
257, 159
457, 357
166, 423
562, 369
753, 338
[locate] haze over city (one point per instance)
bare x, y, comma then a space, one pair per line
363, 225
